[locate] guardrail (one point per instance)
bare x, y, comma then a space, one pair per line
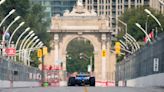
146, 61
14, 71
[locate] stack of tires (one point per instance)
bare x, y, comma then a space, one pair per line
92, 81
71, 81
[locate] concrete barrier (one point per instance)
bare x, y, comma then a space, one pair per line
9, 84
105, 84
155, 80
4, 84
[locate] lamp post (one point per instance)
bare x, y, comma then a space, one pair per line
124, 44
3, 37
149, 12
135, 46
35, 38
139, 26
129, 43
146, 23
26, 30
126, 27
26, 49
11, 12
136, 43
32, 46
90, 59
2, 1
21, 24
30, 33
26, 41
23, 46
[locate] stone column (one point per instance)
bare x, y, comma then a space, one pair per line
135, 3
129, 3
103, 48
56, 39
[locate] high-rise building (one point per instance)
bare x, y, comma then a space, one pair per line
157, 5
113, 8
46, 4
55, 6
109, 8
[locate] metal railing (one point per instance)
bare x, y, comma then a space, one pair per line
147, 61
14, 71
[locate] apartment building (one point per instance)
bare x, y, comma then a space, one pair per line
157, 5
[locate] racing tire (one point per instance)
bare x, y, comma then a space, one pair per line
71, 81
92, 81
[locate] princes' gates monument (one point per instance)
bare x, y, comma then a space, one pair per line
81, 23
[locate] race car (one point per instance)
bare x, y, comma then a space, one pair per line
81, 80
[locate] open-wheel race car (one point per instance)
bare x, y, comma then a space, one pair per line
81, 79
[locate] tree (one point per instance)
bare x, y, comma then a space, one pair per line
131, 16
33, 15
75, 64
138, 15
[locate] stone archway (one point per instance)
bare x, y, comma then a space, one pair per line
104, 67
83, 23
96, 45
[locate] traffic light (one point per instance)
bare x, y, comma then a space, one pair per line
39, 53
118, 48
45, 50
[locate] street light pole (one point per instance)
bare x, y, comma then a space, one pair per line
26, 30
2, 1
26, 49
23, 47
135, 46
126, 27
129, 43
149, 12
4, 34
30, 33
90, 59
11, 12
146, 24
136, 43
124, 44
139, 26
21, 24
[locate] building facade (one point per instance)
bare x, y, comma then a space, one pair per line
112, 9
157, 5
53, 7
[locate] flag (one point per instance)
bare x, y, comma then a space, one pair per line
151, 36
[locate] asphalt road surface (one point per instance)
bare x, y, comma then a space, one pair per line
83, 89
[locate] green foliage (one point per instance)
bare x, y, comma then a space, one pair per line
32, 15
74, 63
138, 15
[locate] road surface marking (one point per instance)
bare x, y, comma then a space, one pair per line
85, 89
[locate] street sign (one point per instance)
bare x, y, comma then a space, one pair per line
156, 65
45, 50
39, 53
89, 68
103, 53
10, 51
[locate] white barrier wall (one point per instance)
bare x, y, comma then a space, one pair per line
155, 80
8, 84
4, 84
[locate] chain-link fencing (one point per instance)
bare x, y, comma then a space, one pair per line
147, 61
14, 71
